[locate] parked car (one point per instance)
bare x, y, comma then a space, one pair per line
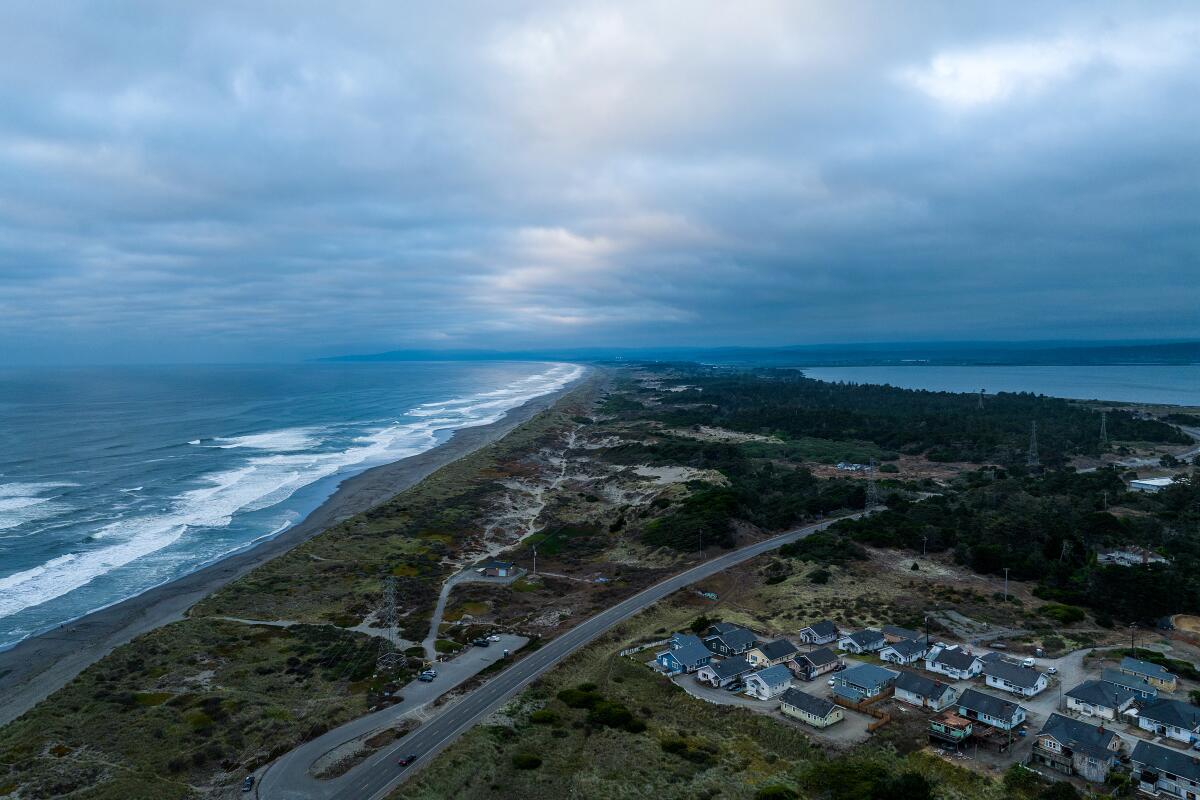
493, 638
1051, 670
427, 676
735, 687
832, 681
481, 642
408, 759
248, 784
1028, 662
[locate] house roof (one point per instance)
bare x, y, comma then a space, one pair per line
984, 703
920, 685
1172, 712
1079, 736
903, 633
1164, 759
780, 648
867, 675
735, 637
1110, 675
865, 637
689, 650
1017, 675
907, 648
954, 658
494, 563
822, 628
731, 667
820, 657
773, 676
817, 706
1146, 668
1099, 693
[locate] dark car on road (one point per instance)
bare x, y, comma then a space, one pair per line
248, 784
408, 759
481, 643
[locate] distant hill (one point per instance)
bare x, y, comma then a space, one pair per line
842, 355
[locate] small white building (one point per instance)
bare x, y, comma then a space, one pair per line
954, 662
1013, 677
768, 683
1150, 485
922, 692
904, 652
1099, 699
1173, 719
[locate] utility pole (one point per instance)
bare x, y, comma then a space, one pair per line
389, 657
1103, 427
1106, 499
1006, 584
1031, 459
535, 559
924, 542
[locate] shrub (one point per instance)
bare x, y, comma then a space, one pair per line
543, 716
775, 793
1062, 613
819, 576
526, 761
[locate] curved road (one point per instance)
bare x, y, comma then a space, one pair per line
379, 775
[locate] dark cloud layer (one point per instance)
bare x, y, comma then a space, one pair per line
281, 180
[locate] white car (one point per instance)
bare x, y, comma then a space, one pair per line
1029, 662
493, 638
1051, 670
832, 681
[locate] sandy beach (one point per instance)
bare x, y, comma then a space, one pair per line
40, 665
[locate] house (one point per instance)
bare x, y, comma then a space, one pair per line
1013, 677
686, 653
768, 654
724, 672
1139, 686
497, 569
917, 690
816, 711
1163, 772
950, 728
905, 651
863, 682
1073, 747
727, 639
894, 633
990, 710
822, 632
953, 662
815, 663
864, 641
770, 682
1173, 719
1151, 673
1099, 699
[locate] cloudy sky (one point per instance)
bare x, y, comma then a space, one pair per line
281, 180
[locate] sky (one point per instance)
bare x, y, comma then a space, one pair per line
286, 180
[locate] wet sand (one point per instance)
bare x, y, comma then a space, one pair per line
42, 664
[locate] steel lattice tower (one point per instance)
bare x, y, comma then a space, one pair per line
1103, 427
1031, 460
872, 488
389, 657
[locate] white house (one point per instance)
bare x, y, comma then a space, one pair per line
1173, 719
822, 632
990, 710
768, 683
1150, 485
864, 641
1099, 699
905, 651
1163, 772
953, 662
1013, 677
922, 692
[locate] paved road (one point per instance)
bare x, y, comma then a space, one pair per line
379, 775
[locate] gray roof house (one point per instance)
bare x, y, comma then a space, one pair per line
953, 661
1141, 688
1161, 771
770, 653
816, 711
894, 633
990, 710
1099, 699
1157, 676
923, 692
822, 632
1174, 719
769, 682
725, 671
864, 641
904, 651
685, 654
1013, 677
728, 639
1073, 747
816, 662
863, 682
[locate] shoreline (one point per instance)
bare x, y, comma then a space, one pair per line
38, 666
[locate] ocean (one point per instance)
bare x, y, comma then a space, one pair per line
1174, 385
116, 480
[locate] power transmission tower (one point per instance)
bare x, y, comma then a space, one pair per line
1031, 460
389, 657
1103, 427
872, 489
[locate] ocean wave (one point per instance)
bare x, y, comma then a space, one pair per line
263, 481
21, 503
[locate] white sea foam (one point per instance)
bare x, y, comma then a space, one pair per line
263, 481
27, 502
